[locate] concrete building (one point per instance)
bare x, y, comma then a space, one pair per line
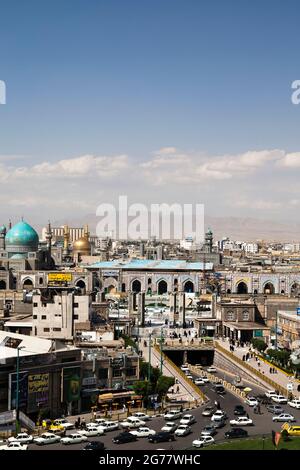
288, 329
60, 315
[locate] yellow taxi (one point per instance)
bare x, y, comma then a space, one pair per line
292, 430
52, 425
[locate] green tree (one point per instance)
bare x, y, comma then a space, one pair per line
163, 385
259, 344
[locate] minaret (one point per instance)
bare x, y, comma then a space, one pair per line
9, 224
66, 240
2, 237
49, 237
86, 232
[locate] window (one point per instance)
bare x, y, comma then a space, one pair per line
131, 371
44, 317
75, 304
35, 304
56, 329
230, 316
34, 317
245, 315
117, 373
46, 330
75, 317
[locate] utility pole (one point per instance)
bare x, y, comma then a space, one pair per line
149, 359
18, 390
161, 352
276, 325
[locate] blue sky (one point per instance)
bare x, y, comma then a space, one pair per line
114, 78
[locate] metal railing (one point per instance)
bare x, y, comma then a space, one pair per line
251, 369
202, 396
212, 378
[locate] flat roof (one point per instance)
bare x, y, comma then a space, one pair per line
289, 314
30, 345
163, 265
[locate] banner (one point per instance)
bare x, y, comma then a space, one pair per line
23, 390
71, 384
59, 277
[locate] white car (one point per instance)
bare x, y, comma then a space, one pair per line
22, 437
132, 422
92, 431
219, 415
14, 446
169, 427
109, 426
189, 376
211, 369
142, 416
183, 430
73, 439
205, 379
188, 419
295, 403
251, 401
199, 382
47, 438
279, 399
63, 422
185, 367
143, 432
241, 421
285, 417
173, 414
270, 393
97, 422
203, 441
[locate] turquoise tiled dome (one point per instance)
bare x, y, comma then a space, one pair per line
21, 237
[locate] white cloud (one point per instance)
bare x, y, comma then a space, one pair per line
290, 160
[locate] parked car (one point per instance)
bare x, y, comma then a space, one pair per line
132, 423
124, 438
183, 430
14, 446
94, 445
285, 417
188, 419
239, 410
241, 421
47, 438
295, 403
161, 437
73, 439
98, 422
92, 431
170, 426
173, 414
211, 369
143, 432
22, 437
275, 409
236, 433
209, 430
279, 399
208, 411
203, 441
218, 415
251, 401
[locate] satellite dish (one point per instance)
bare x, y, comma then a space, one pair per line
295, 357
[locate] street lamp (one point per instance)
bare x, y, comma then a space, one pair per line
17, 389
161, 351
149, 358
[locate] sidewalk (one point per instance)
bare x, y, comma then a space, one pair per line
262, 366
185, 391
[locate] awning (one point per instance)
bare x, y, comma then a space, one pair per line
106, 396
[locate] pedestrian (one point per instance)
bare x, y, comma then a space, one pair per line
178, 389
270, 370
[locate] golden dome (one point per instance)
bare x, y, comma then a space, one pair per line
82, 246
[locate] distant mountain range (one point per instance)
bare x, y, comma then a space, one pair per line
237, 228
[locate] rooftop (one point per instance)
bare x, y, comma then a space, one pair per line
163, 265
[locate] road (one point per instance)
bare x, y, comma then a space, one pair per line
262, 425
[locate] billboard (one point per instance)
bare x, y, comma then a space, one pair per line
59, 277
38, 390
71, 384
